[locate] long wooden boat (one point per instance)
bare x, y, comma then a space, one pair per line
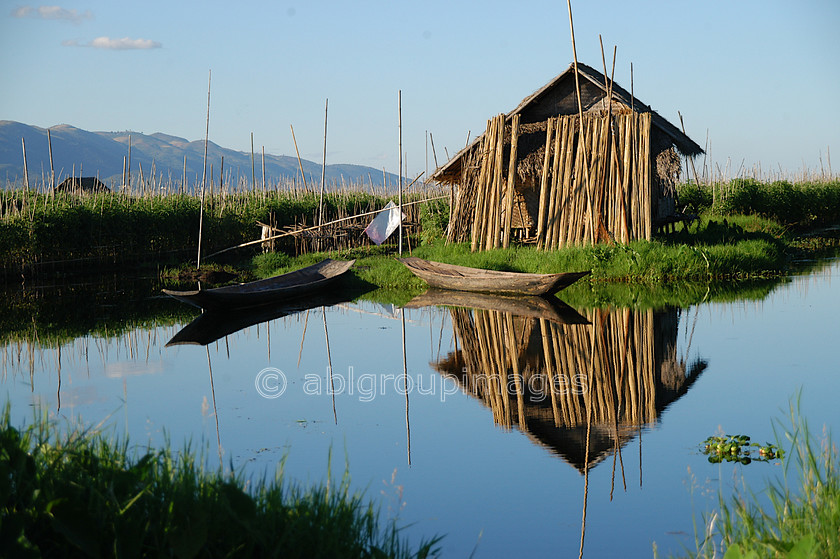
279, 288
462, 278
529, 306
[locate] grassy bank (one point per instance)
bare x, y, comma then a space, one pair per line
83, 494
795, 517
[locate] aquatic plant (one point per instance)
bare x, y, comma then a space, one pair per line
80, 493
738, 448
797, 516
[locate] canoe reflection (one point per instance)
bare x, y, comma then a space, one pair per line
215, 324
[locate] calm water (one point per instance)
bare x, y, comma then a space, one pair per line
488, 444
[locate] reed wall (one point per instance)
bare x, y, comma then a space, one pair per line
595, 185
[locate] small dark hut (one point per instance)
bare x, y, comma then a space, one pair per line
530, 178
82, 185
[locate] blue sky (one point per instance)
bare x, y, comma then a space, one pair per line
760, 78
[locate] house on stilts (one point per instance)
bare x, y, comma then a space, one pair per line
540, 174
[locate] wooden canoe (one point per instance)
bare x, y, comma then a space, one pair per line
529, 306
279, 288
462, 278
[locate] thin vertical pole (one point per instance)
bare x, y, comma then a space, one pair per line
25, 167
52, 167
323, 166
405, 386
300, 163
253, 178
581, 142
399, 173
128, 172
203, 173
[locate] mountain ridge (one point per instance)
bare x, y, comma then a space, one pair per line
100, 153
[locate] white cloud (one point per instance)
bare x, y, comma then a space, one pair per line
126, 43
52, 12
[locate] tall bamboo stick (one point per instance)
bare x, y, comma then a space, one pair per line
511, 179
323, 166
544, 185
203, 174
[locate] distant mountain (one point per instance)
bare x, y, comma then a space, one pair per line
102, 154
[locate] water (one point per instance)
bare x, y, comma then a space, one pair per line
472, 451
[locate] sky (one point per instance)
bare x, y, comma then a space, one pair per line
755, 81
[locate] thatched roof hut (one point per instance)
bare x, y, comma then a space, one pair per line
82, 185
619, 183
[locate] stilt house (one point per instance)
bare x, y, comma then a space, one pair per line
539, 174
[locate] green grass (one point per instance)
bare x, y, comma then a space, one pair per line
83, 494
801, 205
797, 516
37, 227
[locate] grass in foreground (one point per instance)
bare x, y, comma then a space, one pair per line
81, 494
803, 515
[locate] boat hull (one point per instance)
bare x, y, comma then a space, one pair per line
285, 287
462, 278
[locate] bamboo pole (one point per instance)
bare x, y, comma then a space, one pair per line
580, 114
52, 167
314, 227
323, 166
25, 166
300, 163
203, 174
494, 208
400, 172
511, 178
253, 175
544, 184
480, 195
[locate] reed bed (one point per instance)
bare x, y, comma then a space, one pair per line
799, 205
81, 493
39, 227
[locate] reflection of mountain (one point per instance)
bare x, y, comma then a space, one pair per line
553, 381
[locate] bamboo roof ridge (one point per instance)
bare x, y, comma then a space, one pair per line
558, 97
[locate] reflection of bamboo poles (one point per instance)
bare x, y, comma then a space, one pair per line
329, 364
215, 412
405, 384
612, 374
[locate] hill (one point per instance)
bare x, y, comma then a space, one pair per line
102, 154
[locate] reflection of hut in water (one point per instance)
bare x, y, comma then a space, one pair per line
616, 374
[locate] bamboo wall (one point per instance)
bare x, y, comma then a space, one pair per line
591, 190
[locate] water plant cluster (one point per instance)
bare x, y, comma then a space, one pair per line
66, 492
797, 515
738, 448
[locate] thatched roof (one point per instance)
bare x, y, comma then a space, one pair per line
82, 185
558, 97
